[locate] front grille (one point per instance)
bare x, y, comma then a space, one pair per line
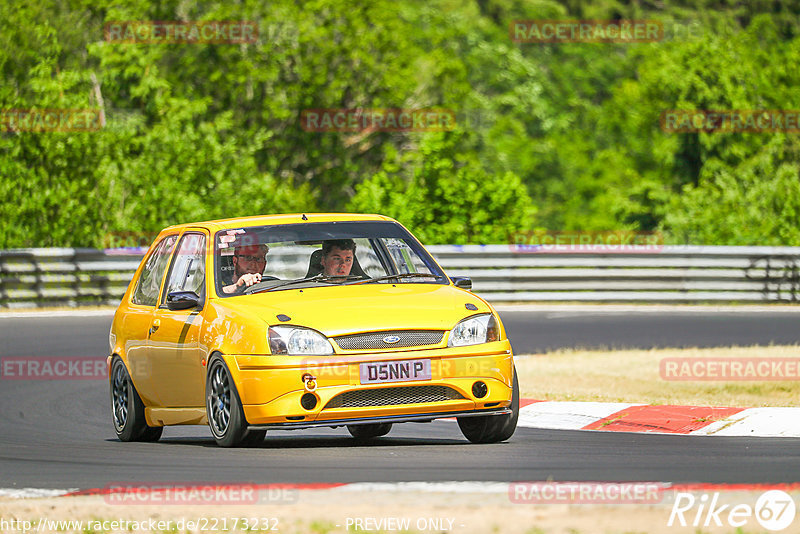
394, 395
375, 340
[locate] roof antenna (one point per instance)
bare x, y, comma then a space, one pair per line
304, 217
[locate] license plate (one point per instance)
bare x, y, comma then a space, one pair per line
397, 371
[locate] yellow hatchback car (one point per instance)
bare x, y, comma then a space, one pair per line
298, 321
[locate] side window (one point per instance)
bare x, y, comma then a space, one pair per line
405, 259
188, 271
368, 259
146, 292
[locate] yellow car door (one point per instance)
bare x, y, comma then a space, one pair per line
138, 317
175, 356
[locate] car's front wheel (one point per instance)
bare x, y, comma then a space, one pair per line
492, 428
224, 409
369, 431
127, 408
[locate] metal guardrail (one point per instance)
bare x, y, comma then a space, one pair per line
508, 273
501, 273
63, 277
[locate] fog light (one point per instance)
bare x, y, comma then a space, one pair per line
308, 401
479, 390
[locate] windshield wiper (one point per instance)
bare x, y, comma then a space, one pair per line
316, 278
401, 275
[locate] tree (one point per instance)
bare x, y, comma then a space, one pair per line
446, 197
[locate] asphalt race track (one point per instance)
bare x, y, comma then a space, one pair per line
529, 331
542, 331
58, 434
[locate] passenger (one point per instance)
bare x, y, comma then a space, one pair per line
249, 262
338, 256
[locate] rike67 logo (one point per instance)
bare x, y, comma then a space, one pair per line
774, 510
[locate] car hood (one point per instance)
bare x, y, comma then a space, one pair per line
337, 310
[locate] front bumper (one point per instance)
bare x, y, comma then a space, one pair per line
271, 387
418, 418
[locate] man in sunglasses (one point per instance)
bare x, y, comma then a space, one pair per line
249, 262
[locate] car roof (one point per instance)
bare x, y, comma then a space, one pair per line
281, 218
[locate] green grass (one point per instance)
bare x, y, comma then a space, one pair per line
633, 376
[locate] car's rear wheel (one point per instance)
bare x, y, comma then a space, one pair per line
369, 431
127, 408
492, 428
224, 409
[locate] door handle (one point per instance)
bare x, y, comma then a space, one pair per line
155, 326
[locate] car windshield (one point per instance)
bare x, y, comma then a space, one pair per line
273, 258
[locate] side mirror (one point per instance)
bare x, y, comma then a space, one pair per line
464, 282
182, 300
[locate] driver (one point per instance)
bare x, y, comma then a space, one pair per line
249, 262
337, 256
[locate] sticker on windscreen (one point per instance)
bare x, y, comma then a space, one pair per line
228, 241
392, 242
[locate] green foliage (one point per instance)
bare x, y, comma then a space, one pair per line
729, 204
447, 198
563, 136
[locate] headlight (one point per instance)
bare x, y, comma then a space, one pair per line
474, 330
293, 340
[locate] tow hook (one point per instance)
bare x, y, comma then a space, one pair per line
310, 382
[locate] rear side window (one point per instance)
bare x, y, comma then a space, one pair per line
189, 266
146, 292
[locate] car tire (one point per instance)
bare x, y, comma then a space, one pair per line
224, 409
492, 428
254, 438
369, 431
127, 408
151, 433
